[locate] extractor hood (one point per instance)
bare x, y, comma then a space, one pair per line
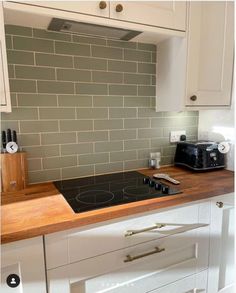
82, 28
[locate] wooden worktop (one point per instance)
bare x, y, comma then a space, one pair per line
40, 209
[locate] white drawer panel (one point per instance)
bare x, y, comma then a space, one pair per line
109, 273
75, 245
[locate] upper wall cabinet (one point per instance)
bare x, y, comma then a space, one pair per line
196, 72
166, 14
4, 81
98, 8
210, 54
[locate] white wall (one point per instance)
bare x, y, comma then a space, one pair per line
219, 125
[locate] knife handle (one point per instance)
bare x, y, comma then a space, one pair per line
4, 139
14, 137
9, 138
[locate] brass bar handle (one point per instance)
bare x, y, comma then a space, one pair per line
102, 5
133, 232
130, 258
193, 98
119, 8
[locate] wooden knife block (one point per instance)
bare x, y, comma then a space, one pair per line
14, 171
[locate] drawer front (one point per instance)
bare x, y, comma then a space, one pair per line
75, 245
140, 268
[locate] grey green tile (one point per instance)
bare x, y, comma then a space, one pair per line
88, 40
79, 171
76, 125
90, 63
54, 60
92, 113
91, 88
108, 101
136, 123
18, 57
108, 124
108, 168
28, 139
34, 164
147, 47
57, 113
81, 148
92, 136
135, 164
13, 99
122, 66
122, 113
55, 87
121, 44
37, 100
102, 147
154, 57
123, 156
58, 138
22, 114
107, 52
36, 72
132, 78
177, 122
149, 112
159, 142
33, 44
93, 158
45, 34
9, 124
73, 75
135, 55
135, 144
9, 43
59, 162
107, 77
122, 134
75, 101
72, 48
38, 126
42, 151
147, 68
137, 102
150, 133
44, 175
22, 85
18, 30
146, 90
125, 90
11, 71
169, 151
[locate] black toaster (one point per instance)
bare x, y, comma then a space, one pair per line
199, 155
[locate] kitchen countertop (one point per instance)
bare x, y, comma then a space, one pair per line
40, 209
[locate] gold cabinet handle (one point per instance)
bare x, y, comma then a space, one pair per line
133, 232
119, 8
130, 258
102, 5
220, 204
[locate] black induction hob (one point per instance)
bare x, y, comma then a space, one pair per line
90, 193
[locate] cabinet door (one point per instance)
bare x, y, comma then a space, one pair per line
86, 7
210, 53
165, 14
221, 262
5, 100
24, 258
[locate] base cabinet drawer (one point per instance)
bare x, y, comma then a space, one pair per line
140, 268
194, 284
75, 245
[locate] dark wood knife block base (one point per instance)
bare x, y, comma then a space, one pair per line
14, 171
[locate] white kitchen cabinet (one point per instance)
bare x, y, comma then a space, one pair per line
196, 72
166, 14
24, 258
221, 263
156, 257
86, 7
4, 81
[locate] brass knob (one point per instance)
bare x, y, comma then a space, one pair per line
220, 204
119, 8
102, 5
193, 98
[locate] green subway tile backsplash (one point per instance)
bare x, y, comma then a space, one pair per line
85, 105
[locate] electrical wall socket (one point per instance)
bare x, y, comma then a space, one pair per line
175, 135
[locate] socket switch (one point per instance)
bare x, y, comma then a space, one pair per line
175, 135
